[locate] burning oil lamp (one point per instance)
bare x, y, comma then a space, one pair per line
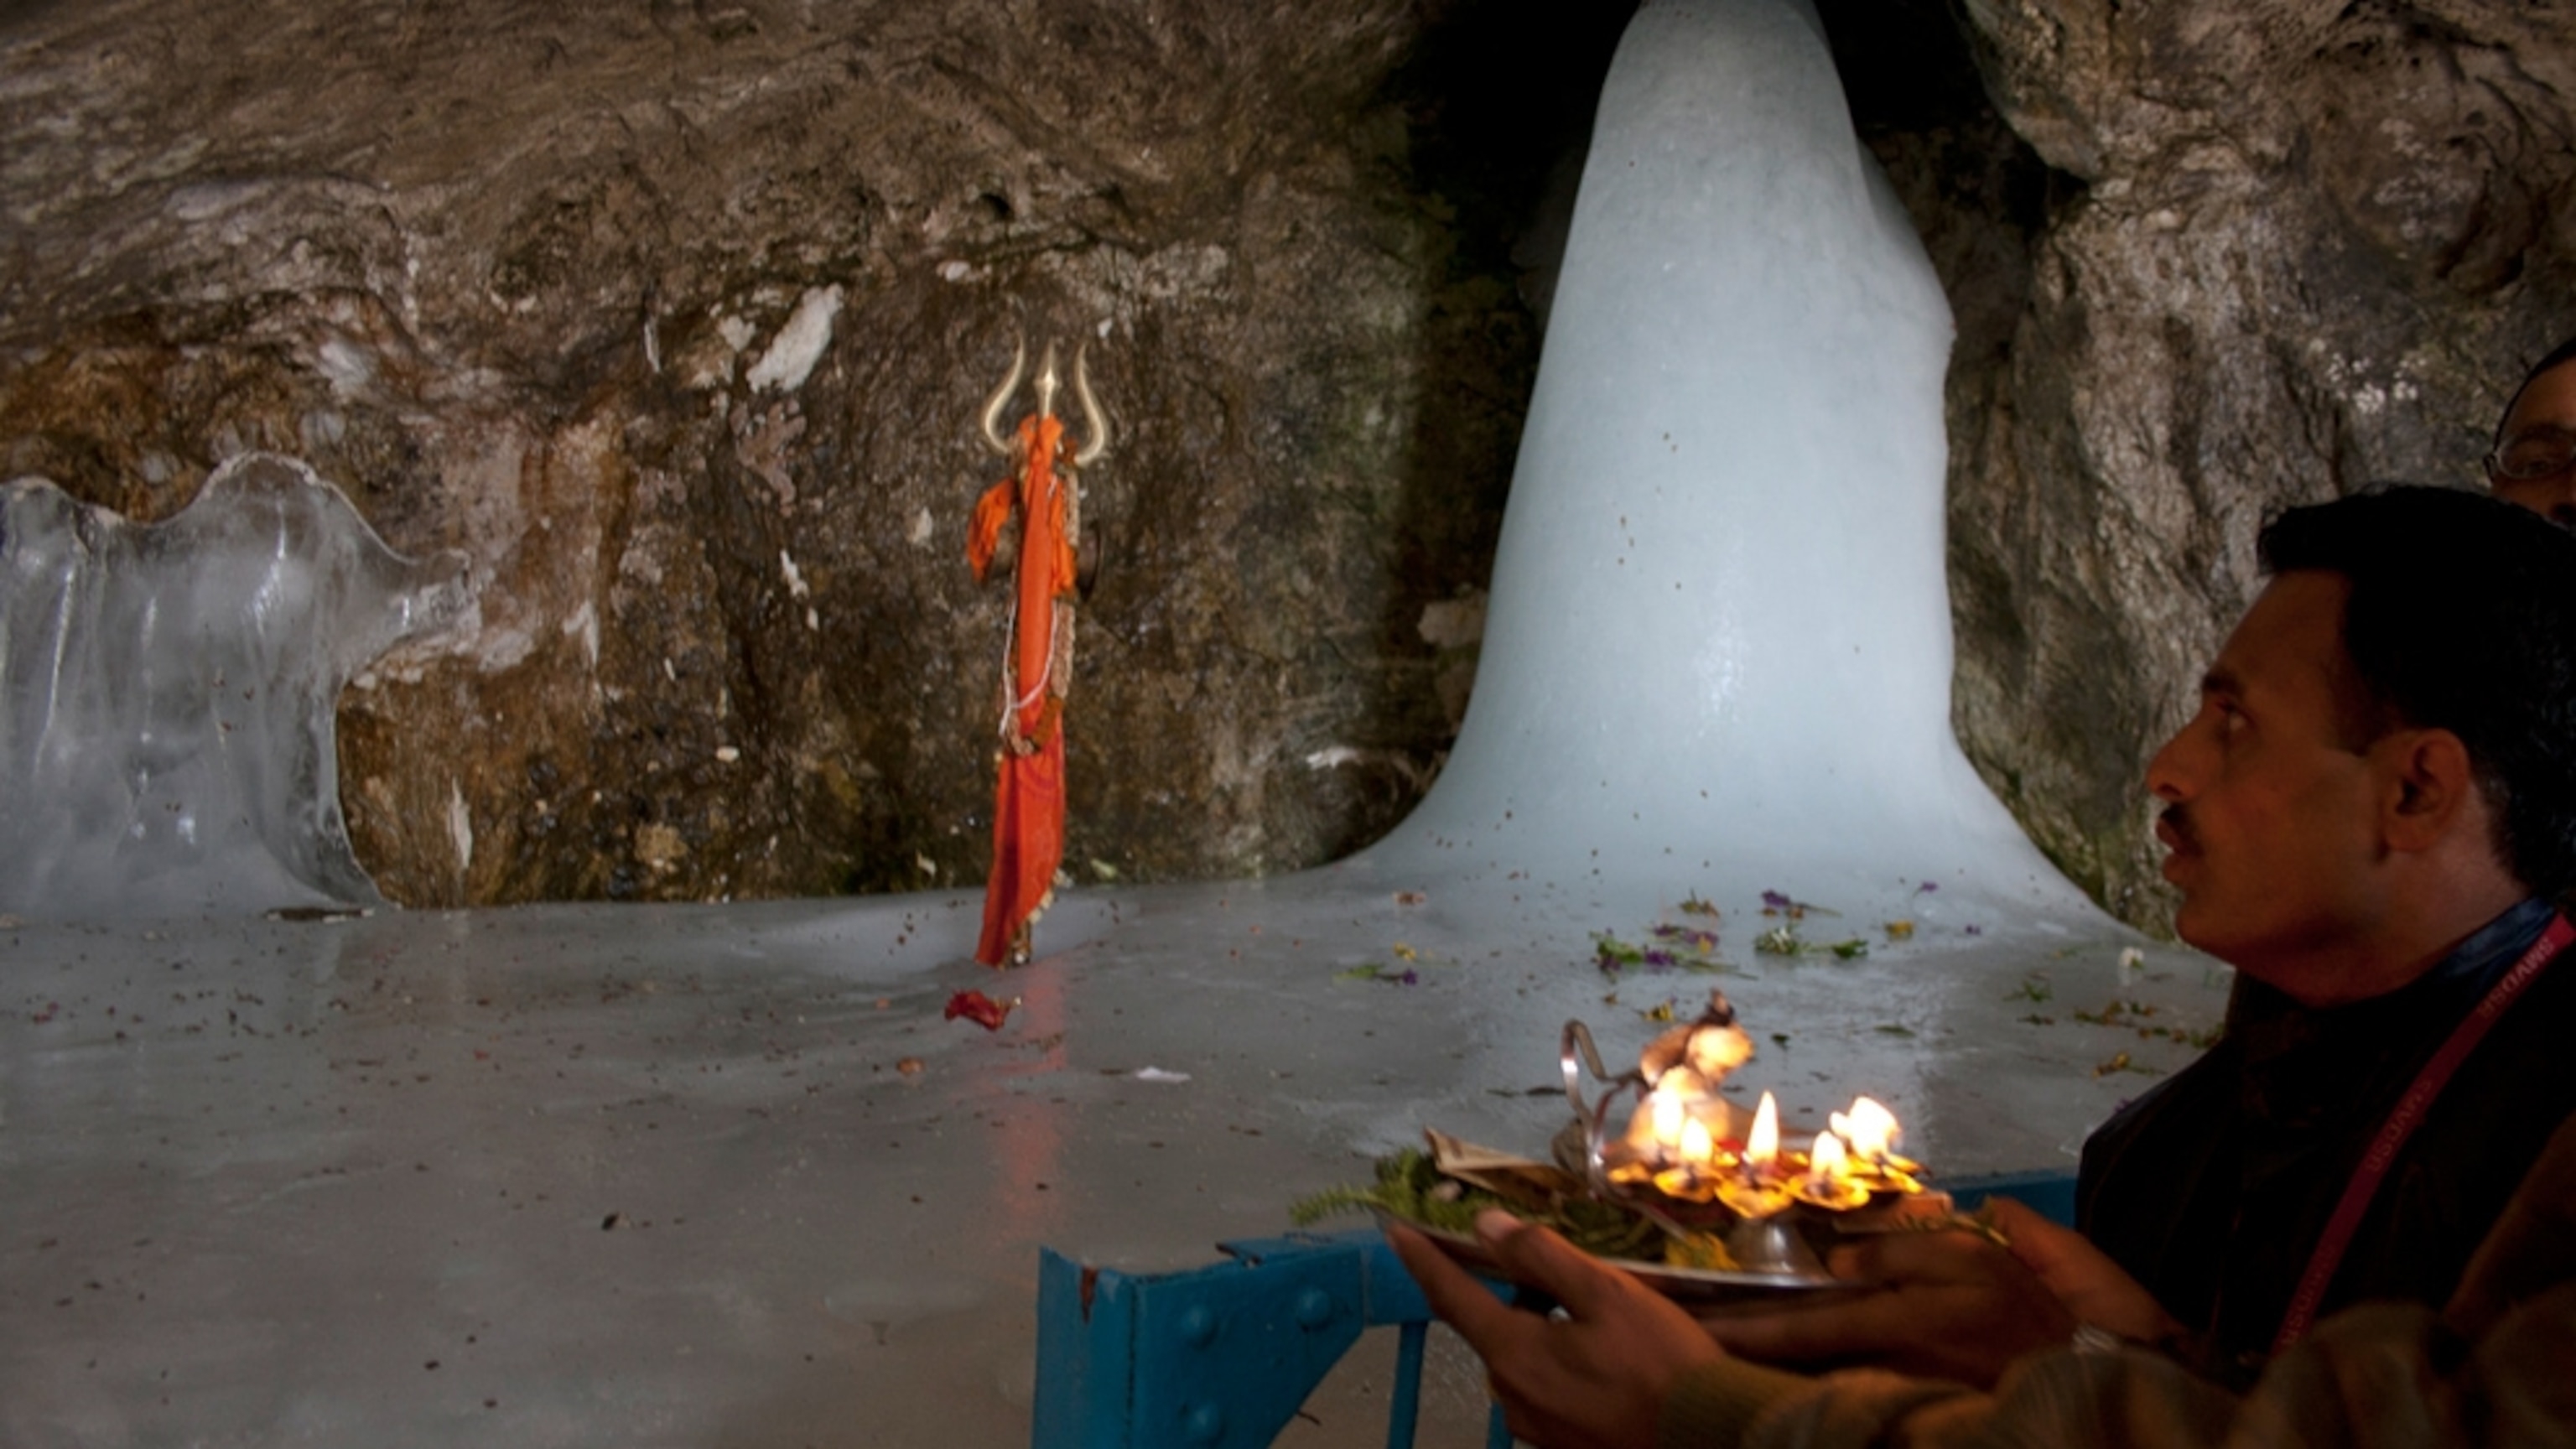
1762, 1145
1697, 1165
1872, 1133
1829, 1183
1682, 1149
1757, 1188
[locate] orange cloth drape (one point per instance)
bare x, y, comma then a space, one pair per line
1028, 804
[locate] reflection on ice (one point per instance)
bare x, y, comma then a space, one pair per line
167, 692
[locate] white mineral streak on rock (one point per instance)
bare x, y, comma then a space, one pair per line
1719, 628
798, 345
584, 625
737, 332
460, 827
795, 581
919, 534
347, 365
498, 651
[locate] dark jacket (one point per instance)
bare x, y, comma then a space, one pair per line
2491, 1368
2227, 1172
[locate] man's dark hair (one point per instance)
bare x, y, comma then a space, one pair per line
2559, 356
2462, 617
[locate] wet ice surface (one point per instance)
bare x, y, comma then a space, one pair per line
268, 1182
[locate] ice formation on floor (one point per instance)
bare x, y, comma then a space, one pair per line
167, 692
1719, 629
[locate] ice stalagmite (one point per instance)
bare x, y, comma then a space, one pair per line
1719, 628
167, 692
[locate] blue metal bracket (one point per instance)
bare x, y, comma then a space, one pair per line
1221, 1357
2051, 1194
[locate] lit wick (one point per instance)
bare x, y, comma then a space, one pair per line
1670, 1113
1873, 1134
1868, 1127
1756, 1191
1698, 1148
1828, 1183
1762, 1144
1693, 1178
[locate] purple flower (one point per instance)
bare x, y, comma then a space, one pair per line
1407, 977
1659, 958
1929, 885
1976, 930
1774, 901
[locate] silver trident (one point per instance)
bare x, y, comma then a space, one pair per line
1092, 447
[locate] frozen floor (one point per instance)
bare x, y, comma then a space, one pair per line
722, 1175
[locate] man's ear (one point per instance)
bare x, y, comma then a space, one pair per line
2431, 790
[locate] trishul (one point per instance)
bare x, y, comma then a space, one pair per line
1047, 383
1043, 496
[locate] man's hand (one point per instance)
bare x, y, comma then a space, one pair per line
1949, 1305
1597, 1377
2092, 1287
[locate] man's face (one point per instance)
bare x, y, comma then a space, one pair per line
2270, 815
2537, 432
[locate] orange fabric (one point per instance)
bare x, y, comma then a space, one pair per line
985, 534
1043, 574
1028, 844
1028, 807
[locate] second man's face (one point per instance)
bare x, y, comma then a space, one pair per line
2538, 432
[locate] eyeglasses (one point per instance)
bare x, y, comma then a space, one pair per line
2532, 456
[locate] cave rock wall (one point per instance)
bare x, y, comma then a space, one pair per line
2235, 255
672, 318
675, 319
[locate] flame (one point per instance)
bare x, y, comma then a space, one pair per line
1670, 1111
1829, 1182
1826, 1162
1698, 1148
1870, 1129
1762, 1144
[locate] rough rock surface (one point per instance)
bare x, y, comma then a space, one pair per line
676, 319
2274, 251
673, 317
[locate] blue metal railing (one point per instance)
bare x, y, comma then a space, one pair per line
1221, 1357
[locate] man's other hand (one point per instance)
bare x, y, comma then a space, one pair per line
1597, 1376
1948, 1305
2083, 1277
